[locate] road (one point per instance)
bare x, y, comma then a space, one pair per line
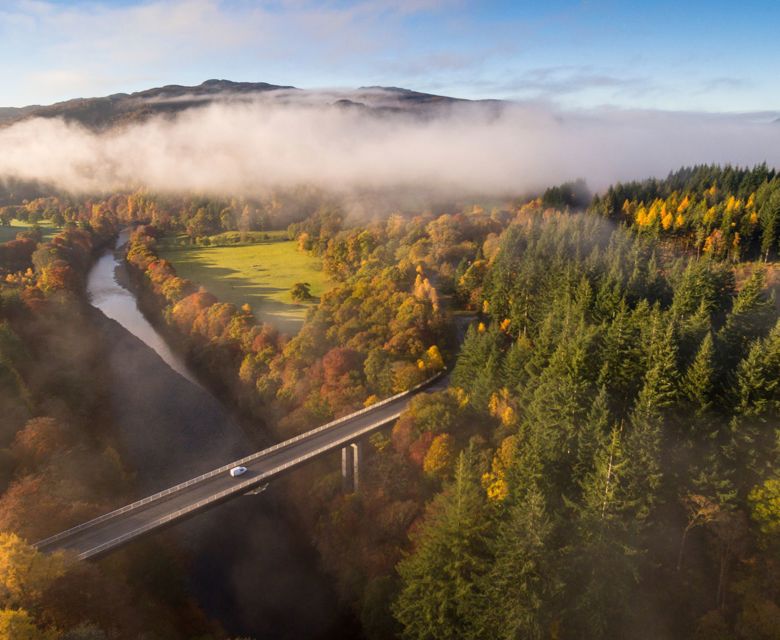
119, 527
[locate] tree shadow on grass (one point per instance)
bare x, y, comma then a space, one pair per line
230, 285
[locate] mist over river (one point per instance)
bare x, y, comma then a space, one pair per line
248, 566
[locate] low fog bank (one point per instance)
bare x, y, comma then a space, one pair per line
250, 147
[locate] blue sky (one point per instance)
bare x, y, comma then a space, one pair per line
696, 55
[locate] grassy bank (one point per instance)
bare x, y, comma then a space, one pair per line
259, 274
9, 232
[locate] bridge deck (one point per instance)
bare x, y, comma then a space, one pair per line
118, 527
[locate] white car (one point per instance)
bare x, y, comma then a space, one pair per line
237, 471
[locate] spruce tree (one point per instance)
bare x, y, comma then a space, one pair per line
644, 441
592, 434
439, 578
754, 429
751, 317
698, 382
520, 589
602, 558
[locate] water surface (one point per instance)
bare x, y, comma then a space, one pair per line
119, 304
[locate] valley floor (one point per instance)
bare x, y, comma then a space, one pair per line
259, 274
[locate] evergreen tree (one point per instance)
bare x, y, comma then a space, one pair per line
602, 559
644, 441
698, 382
769, 216
439, 579
754, 430
559, 405
592, 434
517, 356
520, 589
479, 364
621, 359
751, 317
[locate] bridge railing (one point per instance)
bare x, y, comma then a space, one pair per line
239, 487
226, 467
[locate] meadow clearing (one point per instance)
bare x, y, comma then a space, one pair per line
260, 274
9, 232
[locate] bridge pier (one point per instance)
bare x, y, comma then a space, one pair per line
347, 469
350, 466
357, 454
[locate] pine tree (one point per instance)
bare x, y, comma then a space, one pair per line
592, 434
602, 559
479, 364
751, 317
697, 384
559, 404
439, 579
621, 359
769, 216
520, 589
644, 441
517, 356
754, 429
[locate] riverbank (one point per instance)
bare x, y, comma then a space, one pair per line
248, 564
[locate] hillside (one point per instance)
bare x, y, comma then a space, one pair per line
122, 108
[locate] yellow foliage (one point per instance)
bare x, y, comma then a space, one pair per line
641, 216
666, 221
494, 481
440, 455
500, 406
435, 360
753, 218
686, 201
653, 213
679, 221
372, 399
709, 217
485, 306
764, 502
24, 571
481, 327
461, 396
505, 324
16, 624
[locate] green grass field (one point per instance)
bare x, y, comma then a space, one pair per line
9, 233
259, 274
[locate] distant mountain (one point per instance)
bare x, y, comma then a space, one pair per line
14, 113
123, 108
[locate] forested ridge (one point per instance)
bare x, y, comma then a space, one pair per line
60, 463
725, 212
604, 463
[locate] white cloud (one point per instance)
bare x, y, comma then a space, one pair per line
246, 148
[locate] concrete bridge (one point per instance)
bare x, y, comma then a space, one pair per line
113, 529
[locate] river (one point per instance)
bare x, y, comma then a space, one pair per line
119, 304
248, 566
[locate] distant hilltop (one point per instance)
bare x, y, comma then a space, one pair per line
123, 108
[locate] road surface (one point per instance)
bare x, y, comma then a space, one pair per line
118, 527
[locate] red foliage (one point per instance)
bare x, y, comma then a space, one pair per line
419, 448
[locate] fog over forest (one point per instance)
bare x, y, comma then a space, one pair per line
245, 147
